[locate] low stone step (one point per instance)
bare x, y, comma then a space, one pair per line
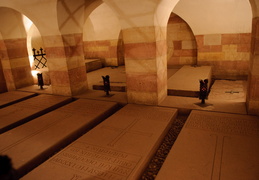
93, 64
29, 109
214, 146
30, 144
118, 148
11, 97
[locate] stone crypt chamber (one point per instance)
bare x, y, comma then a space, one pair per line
59, 121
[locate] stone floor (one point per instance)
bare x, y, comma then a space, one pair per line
223, 96
224, 110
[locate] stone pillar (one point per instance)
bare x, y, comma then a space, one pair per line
66, 66
253, 80
145, 61
15, 63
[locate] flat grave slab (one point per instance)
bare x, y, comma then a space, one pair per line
214, 146
185, 82
118, 148
33, 142
11, 97
93, 64
29, 109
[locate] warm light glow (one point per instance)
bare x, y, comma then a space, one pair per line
27, 23
34, 73
31, 59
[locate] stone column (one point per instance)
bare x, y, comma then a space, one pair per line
15, 63
253, 80
145, 60
66, 63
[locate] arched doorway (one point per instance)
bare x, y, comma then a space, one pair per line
103, 49
37, 53
15, 62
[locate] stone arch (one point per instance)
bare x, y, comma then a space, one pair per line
15, 62
101, 35
253, 77
181, 43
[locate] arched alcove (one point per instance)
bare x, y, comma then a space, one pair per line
104, 48
101, 36
15, 61
37, 53
181, 43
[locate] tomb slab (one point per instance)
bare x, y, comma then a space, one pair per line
214, 146
119, 148
26, 110
185, 82
9, 98
30, 144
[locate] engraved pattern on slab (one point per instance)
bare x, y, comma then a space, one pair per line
224, 124
122, 132
103, 163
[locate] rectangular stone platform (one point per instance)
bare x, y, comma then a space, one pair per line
30, 144
118, 148
185, 82
93, 64
26, 110
215, 146
9, 98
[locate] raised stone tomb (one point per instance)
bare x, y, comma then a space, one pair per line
33, 142
215, 146
9, 98
26, 110
119, 148
185, 82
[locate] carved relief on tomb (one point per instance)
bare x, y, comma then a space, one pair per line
224, 124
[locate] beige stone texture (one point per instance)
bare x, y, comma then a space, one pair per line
214, 146
187, 78
12, 97
139, 35
111, 62
187, 60
57, 64
148, 98
19, 62
141, 66
61, 90
33, 142
215, 56
188, 44
53, 41
26, 110
6, 63
118, 148
75, 62
212, 39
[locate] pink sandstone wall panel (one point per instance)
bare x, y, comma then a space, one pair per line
229, 54
253, 90
19, 65
182, 48
66, 64
106, 50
